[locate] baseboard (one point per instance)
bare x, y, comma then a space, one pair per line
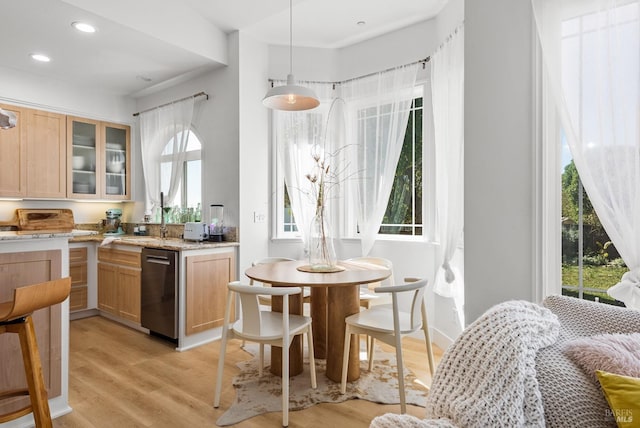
86, 313
441, 340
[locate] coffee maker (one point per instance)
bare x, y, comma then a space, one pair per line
111, 224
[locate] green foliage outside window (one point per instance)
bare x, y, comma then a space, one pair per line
404, 209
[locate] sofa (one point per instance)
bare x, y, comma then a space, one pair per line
511, 368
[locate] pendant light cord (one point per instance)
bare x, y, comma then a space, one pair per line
290, 36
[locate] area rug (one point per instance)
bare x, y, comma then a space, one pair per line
257, 395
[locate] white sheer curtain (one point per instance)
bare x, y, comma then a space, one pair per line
298, 136
157, 128
447, 87
377, 114
591, 51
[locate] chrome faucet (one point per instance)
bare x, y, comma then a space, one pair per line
163, 226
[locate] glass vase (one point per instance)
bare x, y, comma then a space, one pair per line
322, 255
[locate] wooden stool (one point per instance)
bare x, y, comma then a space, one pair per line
15, 317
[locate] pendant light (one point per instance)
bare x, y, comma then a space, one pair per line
291, 97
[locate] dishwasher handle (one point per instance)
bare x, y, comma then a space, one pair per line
160, 260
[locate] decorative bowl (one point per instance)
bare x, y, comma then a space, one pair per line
115, 167
78, 162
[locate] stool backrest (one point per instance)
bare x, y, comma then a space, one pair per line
30, 298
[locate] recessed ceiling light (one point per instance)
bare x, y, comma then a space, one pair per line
40, 57
361, 22
84, 27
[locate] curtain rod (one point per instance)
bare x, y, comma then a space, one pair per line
422, 61
199, 94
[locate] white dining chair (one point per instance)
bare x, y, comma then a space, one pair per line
389, 323
265, 328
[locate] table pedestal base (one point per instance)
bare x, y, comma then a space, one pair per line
342, 301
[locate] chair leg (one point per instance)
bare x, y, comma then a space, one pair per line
370, 352
33, 372
285, 381
261, 360
427, 338
223, 349
403, 405
345, 359
312, 359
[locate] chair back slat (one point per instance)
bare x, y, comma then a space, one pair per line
250, 307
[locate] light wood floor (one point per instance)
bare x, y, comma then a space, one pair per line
119, 377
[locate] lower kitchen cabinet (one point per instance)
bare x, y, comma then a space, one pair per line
119, 274
79, 278
206, 290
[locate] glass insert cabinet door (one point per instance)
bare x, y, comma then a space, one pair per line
98, 159
83, 158
116, 162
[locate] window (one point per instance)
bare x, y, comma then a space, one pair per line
590, 262
404, 209
404, 213
186, 206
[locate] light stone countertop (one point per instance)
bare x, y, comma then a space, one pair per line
76, 236
175, 244
42, 234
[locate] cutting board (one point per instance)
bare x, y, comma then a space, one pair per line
45, 219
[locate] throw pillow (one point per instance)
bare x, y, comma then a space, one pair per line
623, 395
613, 353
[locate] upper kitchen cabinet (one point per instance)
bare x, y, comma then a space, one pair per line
46, 154
33, 155
13, 156
83, 155
117, 161
98, 159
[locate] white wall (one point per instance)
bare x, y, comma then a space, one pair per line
498, 153
254, 152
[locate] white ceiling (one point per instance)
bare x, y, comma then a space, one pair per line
154, 39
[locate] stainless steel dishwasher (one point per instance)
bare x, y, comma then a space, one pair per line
159, 299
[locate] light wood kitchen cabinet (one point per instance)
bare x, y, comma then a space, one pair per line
46, 154
119, 275
99, 159
33, 155
13, 156
78, 273
17, 270
206, 290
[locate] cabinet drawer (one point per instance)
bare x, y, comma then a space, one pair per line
78, 273
77, 255
119, 257
78, 298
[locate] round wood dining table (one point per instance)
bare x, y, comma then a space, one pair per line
334, 296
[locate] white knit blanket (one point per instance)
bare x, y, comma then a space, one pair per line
487, 378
